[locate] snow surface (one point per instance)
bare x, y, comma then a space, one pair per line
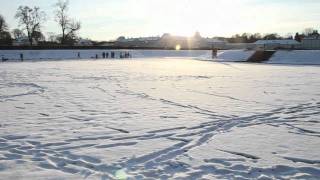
296, 57
234, 55
156, 118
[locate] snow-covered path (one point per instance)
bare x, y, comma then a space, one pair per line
159, 118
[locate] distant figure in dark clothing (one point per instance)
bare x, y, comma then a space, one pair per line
79, 55
112, 54
214, 53
107, 55
96, 56
21, 57
3, 59
103, 55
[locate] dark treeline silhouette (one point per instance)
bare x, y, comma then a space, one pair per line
250, 38
308, 32
5, 36
245, 38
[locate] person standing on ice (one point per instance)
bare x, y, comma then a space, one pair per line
103, 55
21, 57
214, 53
78, 55
3, 59
107, 55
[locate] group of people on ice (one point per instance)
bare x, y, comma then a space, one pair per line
111, 55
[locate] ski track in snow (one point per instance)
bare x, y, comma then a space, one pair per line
71, 154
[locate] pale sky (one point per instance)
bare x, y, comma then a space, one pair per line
109, 19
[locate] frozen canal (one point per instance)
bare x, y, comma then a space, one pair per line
159, 118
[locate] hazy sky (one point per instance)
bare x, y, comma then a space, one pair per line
108, 19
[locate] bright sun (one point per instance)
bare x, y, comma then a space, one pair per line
178, 47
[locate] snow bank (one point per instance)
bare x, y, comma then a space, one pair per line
296, 57
234, 55
280, 57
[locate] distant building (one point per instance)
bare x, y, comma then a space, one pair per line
84, 42
194, 42
121, 39
23, 41
109, 43
168, 41
311, 43
277, 44
215, 43
136, 42
240, 46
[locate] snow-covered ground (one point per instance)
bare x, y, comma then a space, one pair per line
234, 55
296, 57
156, 118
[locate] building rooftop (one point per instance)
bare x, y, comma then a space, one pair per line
281, 41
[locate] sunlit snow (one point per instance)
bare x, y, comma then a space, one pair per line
161, 118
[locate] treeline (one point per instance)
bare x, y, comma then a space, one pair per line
31, 20
251, 38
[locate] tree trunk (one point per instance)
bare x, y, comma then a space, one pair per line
63, 36
30, 38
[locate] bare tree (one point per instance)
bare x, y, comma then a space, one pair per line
31, 19
3, 24
18, 33
52, 37
68, 26
38, 36
5, 37
308, 31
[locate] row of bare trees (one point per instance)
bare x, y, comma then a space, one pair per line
250, 38
31, 20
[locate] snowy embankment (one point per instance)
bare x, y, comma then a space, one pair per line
303, 57
296, 57
158, 119
234, 55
